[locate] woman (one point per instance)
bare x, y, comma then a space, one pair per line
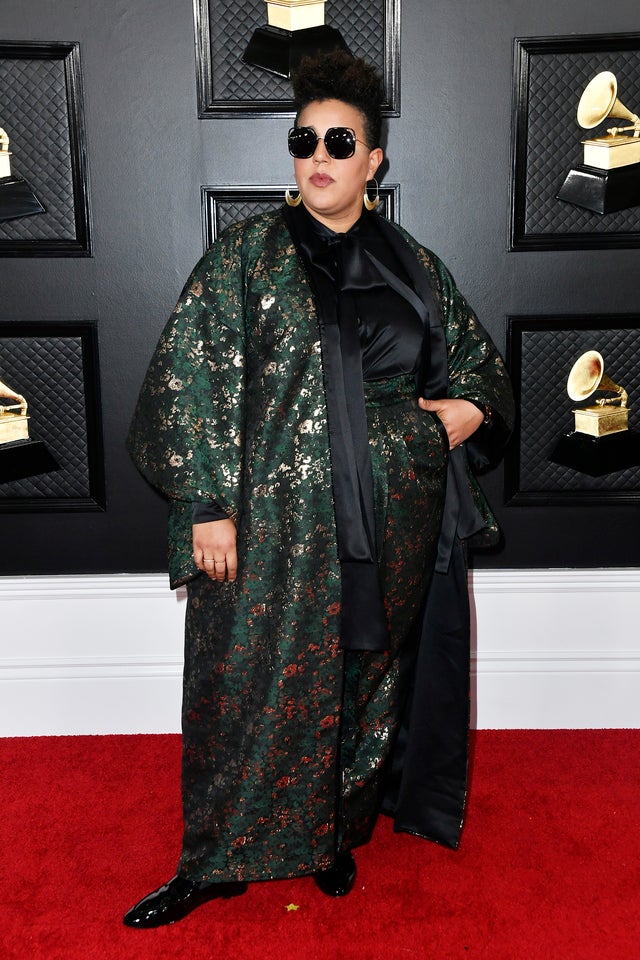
284, 415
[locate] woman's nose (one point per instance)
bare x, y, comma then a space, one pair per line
320, 152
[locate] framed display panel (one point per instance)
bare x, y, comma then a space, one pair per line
227, 87
54, 364
541, 352
550, 75
224, 206
41, 109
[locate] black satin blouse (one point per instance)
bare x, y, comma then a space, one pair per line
390, 330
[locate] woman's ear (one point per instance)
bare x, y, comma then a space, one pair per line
375, 159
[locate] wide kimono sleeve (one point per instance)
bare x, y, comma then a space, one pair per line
476, 370
476, 373
187, 433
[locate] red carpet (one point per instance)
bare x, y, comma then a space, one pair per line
549, 865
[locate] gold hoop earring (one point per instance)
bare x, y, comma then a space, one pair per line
372, 204
292, 201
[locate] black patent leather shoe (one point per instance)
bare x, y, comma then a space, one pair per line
176, 899
339, 879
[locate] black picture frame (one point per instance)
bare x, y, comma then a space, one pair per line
225, 205
41, 107
540, 354
227, 87
549, 77
55, 365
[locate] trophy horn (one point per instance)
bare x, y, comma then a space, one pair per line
600, 100
587, 375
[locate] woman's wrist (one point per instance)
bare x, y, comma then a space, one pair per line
484, 408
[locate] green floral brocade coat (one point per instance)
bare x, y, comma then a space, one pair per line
233, 409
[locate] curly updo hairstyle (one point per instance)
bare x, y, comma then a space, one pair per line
337, 75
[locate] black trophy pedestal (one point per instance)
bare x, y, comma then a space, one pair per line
279, 51
597, 456
17, 199
24, 458
603, 191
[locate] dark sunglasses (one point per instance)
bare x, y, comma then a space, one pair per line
339, 142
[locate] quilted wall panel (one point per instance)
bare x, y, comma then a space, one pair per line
224, 206
50, 370
41, 111
368, 28
549, 140
547, 356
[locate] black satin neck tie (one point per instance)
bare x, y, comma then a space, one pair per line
343, 258
338, 267
354, 269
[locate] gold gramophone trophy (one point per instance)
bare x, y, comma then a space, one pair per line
20, 456
601, 441
17, 199
606, 415
295, 29
609, 177
14, 422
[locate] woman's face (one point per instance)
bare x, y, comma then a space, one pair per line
333, 190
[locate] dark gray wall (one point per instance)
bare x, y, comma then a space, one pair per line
148, 156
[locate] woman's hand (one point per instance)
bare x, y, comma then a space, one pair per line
214, 549
460, 418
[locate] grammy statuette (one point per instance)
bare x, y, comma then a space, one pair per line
609, 177
14, 422
601, 441
606, 415
20, 456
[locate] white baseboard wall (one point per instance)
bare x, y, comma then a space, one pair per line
103, 654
